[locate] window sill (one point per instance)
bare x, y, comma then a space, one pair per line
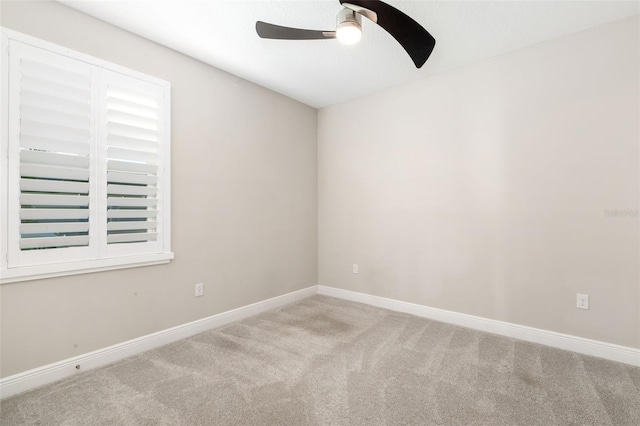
86, 267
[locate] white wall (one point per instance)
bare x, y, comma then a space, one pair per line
244, 205
483, 190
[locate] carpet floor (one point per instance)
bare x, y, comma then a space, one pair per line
325, 361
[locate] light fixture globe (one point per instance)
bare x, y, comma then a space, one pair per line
348, 28
348, 33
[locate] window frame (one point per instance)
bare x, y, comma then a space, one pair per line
101, 262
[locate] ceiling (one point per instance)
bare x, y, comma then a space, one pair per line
324, 72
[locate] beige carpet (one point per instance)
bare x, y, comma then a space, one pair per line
324, 361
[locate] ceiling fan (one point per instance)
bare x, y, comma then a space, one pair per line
412, 36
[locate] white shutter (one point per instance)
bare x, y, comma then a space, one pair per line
84, 164
134, 153
51, 140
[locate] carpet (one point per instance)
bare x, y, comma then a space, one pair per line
325, 361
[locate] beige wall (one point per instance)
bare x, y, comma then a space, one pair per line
244, 205
483, 190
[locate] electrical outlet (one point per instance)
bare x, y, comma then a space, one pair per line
355, 268
199, 289
582, 301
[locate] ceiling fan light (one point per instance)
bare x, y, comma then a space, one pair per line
349, 32
348, 28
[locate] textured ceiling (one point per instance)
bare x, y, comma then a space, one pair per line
324, 72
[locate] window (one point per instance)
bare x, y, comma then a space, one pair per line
85, 163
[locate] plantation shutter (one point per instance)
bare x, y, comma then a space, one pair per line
51, 139
85, 164
134, 116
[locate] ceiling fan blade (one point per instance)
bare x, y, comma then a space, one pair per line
412, 36
266, 30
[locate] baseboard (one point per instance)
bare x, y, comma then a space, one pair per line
40, 376
580, 345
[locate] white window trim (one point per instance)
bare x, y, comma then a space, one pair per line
26, 273
84, 267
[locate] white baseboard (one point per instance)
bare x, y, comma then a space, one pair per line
580, 345
31, 379
40, 376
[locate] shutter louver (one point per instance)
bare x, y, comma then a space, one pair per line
54, 149
133, 150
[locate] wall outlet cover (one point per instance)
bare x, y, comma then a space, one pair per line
582, 301
199, 291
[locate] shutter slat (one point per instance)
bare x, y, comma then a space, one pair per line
132, 143
38, 185
117, 177
51, 242
51, 88
35, 128
44, 71
132, 120
145, 98
132, 155
125, 166
131, 214
129, 226
53, 214
28, 97
53, 159
130, 238
133, 108
54, 200
54, 145
53, 172
53, 228
58, 118
130, 202
118, 129
131, 190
